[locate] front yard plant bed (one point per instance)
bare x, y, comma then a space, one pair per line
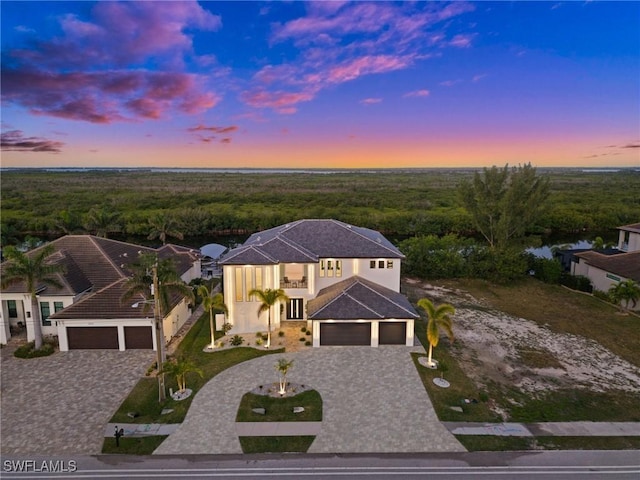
276, 444
280, 409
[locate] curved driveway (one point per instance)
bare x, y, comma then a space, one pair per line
373, 401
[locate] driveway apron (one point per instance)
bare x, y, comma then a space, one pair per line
60, 404
373, 401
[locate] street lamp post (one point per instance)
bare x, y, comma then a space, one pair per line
157, 319
159, 335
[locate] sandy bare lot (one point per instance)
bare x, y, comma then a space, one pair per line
496, 347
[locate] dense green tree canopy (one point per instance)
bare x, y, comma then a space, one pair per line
505, 202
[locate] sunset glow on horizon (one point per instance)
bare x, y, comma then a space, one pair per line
320, 84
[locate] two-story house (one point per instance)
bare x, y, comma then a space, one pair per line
86, 311
343, 280
607, 270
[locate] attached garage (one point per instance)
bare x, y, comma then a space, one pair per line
347, 333
138, 338
81, 338
392, 333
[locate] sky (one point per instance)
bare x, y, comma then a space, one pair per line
324, 84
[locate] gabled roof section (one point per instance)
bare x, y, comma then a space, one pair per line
306, 241
358, 298
634, 227
626, 265
248, 255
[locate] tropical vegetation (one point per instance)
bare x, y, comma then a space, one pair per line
268, 298
438, 318
625, 293
212, 302
34, 271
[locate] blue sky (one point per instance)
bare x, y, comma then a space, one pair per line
320, 84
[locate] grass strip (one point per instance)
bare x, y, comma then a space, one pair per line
276, 444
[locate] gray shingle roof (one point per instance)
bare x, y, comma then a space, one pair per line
306, 241
634, 227
624, 264
358, 298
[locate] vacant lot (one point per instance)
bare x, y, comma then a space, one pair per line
540, 352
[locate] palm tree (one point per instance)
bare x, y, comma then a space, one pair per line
166, 283
179, 368
33, 270
438, 318
212, 302
283, 367
102, 221
163, 226
268, 298
627, 292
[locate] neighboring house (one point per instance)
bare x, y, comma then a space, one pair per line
87, 312
343, 280
211, 254
605, 270
629, 238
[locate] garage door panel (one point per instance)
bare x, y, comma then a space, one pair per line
80, 338
345, 334
392, 333
138, 338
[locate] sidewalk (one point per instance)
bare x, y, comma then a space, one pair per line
277, 429
560, 429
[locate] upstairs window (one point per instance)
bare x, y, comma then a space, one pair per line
389, 263
372, 264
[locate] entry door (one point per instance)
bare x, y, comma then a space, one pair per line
295, 309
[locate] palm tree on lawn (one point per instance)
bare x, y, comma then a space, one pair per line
102, 221
283, 367
33, 270
268, 298
627, 292
179, 369
438, 318
163, 226
212, 302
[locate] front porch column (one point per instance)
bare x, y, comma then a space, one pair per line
29, 319
63, 341
5, 332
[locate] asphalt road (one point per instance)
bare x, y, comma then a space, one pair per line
502, 465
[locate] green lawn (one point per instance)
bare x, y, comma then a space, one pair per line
475, 443
133, 445
276, 444
281, 409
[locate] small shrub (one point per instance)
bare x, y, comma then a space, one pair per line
226, 327
483, 396
308, 332
237, 340
265, 337
303, 329
303, 339
221, 344
307, 343
28, 350
259, 334
281, 333
259, 341
602, 295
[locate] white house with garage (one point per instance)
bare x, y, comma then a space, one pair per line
343, 280
87, 312
605, 270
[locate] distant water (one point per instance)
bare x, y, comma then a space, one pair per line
545, 252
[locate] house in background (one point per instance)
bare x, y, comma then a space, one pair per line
343, 280
87, 311
605, 270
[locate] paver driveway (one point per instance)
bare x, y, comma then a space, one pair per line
373, 401
61, 403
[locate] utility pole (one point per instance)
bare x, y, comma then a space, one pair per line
159, 334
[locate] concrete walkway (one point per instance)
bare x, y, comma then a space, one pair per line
560, 429
277, 429
373, 401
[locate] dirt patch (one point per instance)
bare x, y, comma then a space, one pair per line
514, 352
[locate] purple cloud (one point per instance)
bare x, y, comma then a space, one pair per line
417, 93
95, 71
339, 42
15, 141
370, 101
204, 133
